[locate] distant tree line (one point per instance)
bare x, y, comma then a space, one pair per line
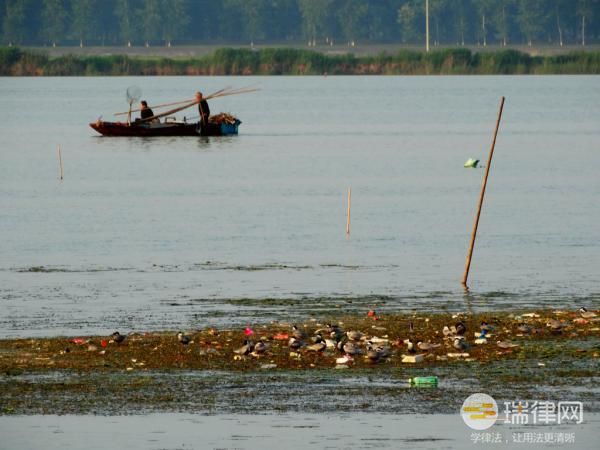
314, 22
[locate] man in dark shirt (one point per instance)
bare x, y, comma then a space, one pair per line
145, 110
203, 109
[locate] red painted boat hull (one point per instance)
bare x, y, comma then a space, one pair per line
164, 129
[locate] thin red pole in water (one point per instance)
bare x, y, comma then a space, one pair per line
481, 195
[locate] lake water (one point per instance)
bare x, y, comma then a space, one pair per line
171, 233
289, 431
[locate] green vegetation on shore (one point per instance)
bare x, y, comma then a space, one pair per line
286, 61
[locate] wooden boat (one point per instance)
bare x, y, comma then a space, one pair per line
222, 124
167, 128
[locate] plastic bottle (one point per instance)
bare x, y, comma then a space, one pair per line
424, 381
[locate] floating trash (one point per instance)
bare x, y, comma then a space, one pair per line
430, 381
471, 163
412, 359
343, 360
268, 366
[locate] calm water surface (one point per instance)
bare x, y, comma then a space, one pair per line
289, 431
185, 232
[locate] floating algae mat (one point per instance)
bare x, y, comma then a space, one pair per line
214, 371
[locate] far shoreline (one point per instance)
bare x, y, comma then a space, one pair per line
260, 61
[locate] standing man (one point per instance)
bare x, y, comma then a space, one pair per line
203, 109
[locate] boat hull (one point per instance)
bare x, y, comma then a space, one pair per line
165, 129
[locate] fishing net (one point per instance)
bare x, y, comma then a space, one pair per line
134, 93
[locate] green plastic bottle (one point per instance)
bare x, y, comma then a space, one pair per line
424, 381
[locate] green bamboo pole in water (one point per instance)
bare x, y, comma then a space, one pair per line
481, 195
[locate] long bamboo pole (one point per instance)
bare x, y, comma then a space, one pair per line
348, 212
220, 93
164, 105
60, 163
188, 105
129, 113
481, 196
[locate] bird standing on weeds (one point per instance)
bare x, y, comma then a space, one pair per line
460, 343
410, 346
118, 337
585, 314
245, 349
183, 338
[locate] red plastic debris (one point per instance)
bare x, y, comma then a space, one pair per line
281, 336
77, 341
103, 343
248, 331
371, 313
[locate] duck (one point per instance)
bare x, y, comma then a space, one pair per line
118, 337
585, 314
460, 344
349, 348
260, 347
410, 346
376, 353
318, 337
298, 333
505, 345
460, 328
183, 338
555, 325
427, 346
295, 343
524, 328
354, 335
245, 349
333, 331
318, 345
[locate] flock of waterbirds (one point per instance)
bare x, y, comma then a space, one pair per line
345, 345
